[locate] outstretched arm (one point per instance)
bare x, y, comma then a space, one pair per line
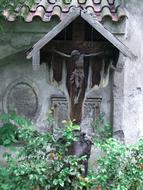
61, 53
93, 54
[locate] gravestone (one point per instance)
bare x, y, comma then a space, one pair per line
23, 99
61, 112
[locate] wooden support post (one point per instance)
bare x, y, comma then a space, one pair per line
36, 60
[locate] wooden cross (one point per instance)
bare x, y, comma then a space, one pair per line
77, 55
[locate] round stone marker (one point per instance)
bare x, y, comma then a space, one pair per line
23, 99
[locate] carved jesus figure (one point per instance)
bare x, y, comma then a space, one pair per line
77, 76
76, 81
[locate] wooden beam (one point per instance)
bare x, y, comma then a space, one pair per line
82, 46
91, 19
85, 47
71, 16
36, 60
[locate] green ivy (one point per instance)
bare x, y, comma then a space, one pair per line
121, 167
102, 130
43, 161
8, 134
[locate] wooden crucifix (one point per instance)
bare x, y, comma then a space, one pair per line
77, 76
78, 57
76, 80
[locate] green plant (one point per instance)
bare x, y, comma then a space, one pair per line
8, 134
12, 4
43, 161
121, 166
102, 130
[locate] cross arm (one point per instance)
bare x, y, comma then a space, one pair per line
61, 53
93, 54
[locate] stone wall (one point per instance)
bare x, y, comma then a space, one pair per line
127, 87
128, 84
31, 92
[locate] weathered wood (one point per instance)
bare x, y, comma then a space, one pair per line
82, 46
36, 60
57, 67
56, 30
78, 29
96, 68
91, 19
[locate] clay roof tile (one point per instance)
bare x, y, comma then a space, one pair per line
46, 9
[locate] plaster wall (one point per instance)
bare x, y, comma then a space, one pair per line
128, 84
17, 68
127, 87
17, 36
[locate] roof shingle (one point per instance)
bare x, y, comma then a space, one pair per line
46, 9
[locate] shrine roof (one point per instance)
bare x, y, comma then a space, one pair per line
46, 9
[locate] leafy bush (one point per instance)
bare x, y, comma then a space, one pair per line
102, 130
43, 162
8, 134
121, 167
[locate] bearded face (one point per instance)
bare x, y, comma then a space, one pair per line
75, 54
